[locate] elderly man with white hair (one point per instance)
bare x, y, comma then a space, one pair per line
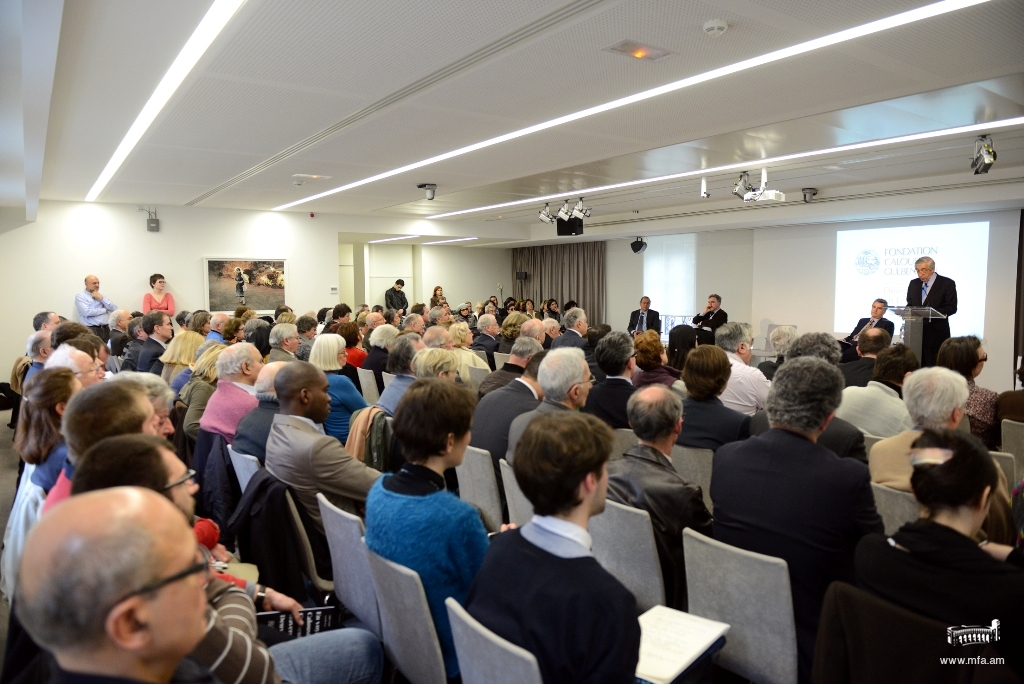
284, 342
118, 322
217, 327
238, 366
486, 339
86, 369
38, 348
533, 328
437, 337
575, 322
414, 322
439, 315
374, 320
552, 330
780, 338
160, 395
377, 359
254, 428
523, 349
565, 377
747, 390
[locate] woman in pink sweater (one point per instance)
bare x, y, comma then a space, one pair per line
158, 300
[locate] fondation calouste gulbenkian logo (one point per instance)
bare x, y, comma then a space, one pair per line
867, 262
968, 635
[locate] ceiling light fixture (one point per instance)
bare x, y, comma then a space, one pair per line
209, 28
563, 213
704, 194
404, 237
579, 211
442, 242
631, 48
545, 214
959, 130
984, 155
877, 26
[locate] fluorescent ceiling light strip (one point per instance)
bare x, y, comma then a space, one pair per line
902, 19
747, 165
441, 242
404, 237
209, 28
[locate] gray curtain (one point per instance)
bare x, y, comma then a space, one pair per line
563, 272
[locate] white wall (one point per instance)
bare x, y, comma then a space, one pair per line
725, 264
624, 284
466, 274
388, 263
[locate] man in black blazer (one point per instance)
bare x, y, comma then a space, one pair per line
487, 339
575, 335
938, 292
713, 317
781, 494
875, 320
644, 318
157, 325
607, 399
858, 373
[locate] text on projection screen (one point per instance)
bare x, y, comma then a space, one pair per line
878, 263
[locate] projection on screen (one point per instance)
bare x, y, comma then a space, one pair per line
879, 263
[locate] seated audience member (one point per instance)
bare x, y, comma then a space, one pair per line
575, 323
217, 323
329, 355
435, 363
877, 408
549, 309
38, 349
38, 440
1010, 405
354, 353
652, 360
284, 342
840, 437
260, 338
420, 310
341, 313
495, 412
935, 567
201, 322
254, 428
709, 423
183, 316
595, 334
91, 345
415, 323
437, 337
747, 390
811, 506
534, 328
377, 360
486, 339
137, 336
644, 478
158, 329
400, 356
966, 356
682, 339
392, 317
182, 378
462, 337
180, 352
465, 314
159, 395
540, 587
510, 328
565, 379
412, 520
254, 324
88, 370
552, 329
238, 366
520, 354
45, 321
285, 317
373, 320
869, 344
306, 327
67, 330
197, 391
118, 325
303, 457
607, 399
780, 338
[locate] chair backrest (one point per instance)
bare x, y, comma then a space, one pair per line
484, 657
520, 510
1013, 443
768, 346
353, 583
750, 592
479, 486
870, 441
501, 359
477, 376
388, 377
410, 639
624, 545
695, 467
1006, 462
896, 508
245, 467
368, 384
965, 424
306, 558
624, 441
481, 353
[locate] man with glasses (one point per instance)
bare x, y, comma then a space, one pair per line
88, 370
284, 342
158, 328
937, 292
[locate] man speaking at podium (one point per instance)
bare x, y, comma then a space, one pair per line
939, 293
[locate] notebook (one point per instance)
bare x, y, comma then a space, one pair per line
314, 620
671, 641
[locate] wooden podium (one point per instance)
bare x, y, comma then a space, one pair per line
914, 318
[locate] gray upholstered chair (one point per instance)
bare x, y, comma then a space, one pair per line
479, 486
388, 377
695, 467
368, 385
751, 593
481, 354
1013, 443
520, 510
624, 546
245, 466
484, 657
477, 376
500, 359
351, 569
624, 441
306, 558
1006, 462
870, 441
896, 508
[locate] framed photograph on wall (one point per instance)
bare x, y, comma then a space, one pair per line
256, 283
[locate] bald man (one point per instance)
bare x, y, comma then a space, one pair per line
301, 455
373, 320
93, 308
254, 428
438, 337
217, 327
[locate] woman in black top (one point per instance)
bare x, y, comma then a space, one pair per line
935, 566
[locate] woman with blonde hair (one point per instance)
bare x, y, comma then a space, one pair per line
652, 360
180, 353
328, 354
510, 328
200, 387
286, 317
435, 363
462, 337
438, 297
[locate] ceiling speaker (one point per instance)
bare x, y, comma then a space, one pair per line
520, 275
638, 245
573, 226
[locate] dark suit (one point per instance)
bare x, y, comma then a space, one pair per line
118, 341
781, 495
710, 424
149, 357
607, 401
850, 345
485, 343
770, 367
712, 320
376, 361
571, 338
840, 437
942, 298
858, 373
499, 378
653, 321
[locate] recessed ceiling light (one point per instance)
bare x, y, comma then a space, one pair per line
442, 242
959, 130
902, 19
632, 48
404, 237
833, 167
311, 176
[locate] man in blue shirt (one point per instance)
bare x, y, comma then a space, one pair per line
217, 327
39, 348
94, 309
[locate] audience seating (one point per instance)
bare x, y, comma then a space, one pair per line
1013, 443
484, 657
368, 384
624, 545
695, 467
501, 359
751, 593
1006, 462
481, 354
388, 377
410, 639
768, 352
479, 486
520, 510
307, 559
624, 441
476, 377
870, 441
353, 584
245, 467
896, 508
965, 424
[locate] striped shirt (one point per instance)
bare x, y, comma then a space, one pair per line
230, 649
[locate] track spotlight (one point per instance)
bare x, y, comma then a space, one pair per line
579, 211
429, 188
545, 214
743, 185
759, 194
984, 155
563, 213
704, 188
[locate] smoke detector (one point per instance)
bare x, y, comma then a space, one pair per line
715, 27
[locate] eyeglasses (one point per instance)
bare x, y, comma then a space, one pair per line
187, 477
200, 566
95, 369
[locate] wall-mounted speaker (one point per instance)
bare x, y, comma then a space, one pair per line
573, 226
520, 275
153, 225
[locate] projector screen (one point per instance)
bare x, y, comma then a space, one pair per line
879, 264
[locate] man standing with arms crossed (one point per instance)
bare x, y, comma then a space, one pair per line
94, 309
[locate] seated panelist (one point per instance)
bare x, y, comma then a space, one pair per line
875, 320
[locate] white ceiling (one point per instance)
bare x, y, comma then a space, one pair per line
350, 89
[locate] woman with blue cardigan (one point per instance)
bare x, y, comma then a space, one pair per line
328, 354
412, 520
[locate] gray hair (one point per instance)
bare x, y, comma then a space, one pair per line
526, 347
532, 328
490, 307
206, 346
819, 344
486, 321
229, 363
36, 342
931, 394
305, 323
925, 260
781, 338
383, 335
410, 321
157, 390
64, 357
613, 352
559, 371
572, 316
729, 336
435, 314
804, 392
252, 325
550, 323
653, 411
281, 332
265, 380
436, 337
401, 354
429, 363
115, 316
